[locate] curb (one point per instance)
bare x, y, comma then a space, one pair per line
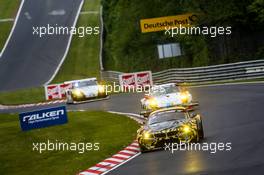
118, 159
115, 161
3, 107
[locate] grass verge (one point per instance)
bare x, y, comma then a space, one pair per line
33, 95
112, 131
7, 10
83, 58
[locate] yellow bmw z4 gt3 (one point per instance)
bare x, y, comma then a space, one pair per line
170, 125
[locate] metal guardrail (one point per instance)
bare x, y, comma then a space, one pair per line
225, 72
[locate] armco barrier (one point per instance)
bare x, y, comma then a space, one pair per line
225, 72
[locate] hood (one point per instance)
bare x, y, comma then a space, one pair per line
166, 125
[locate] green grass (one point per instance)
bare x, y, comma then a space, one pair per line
4, 32
33, 95
113, 132
7, 10
83, 58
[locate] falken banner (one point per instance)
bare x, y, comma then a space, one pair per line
43, 118
163, 23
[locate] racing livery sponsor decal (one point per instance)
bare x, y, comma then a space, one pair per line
43, 118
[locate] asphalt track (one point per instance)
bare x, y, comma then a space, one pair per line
28, 60
231, 113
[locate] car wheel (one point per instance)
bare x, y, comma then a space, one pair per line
143, 149
200, 128
103, 95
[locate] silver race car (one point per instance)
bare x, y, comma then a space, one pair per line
83, 90
164, 96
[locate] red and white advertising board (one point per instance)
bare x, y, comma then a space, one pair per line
144, 78
64, 88
52, 92
56, 91
127, 80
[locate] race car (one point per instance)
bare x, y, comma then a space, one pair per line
83, 90
170, 125
165, 95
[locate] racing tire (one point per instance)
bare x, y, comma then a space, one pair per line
102, 95
143, 149
200, 127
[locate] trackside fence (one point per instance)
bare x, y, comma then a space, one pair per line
225, 72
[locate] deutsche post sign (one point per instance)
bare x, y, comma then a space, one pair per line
163, 23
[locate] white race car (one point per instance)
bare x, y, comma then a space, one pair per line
83, 90
164, 96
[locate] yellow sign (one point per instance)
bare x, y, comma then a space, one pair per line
163, 23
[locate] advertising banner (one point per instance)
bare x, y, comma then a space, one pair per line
135, 79
43, 118
161, 23
64, 88
144, 78
52, 92
127, 80
57, 91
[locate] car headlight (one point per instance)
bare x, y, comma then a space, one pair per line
153, 103
101, 89
186, 128
185, 97
147, 135
77, 93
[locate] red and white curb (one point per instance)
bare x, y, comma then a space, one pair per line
121, 157
115, 161
2, 107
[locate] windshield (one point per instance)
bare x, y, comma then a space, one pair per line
164, 90
166, 116
84, 84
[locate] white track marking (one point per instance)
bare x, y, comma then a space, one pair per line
68, 46
13, 28
126, 113
59, 12
7, 20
